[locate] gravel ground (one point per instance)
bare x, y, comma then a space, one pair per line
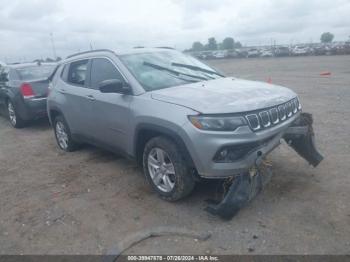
92, 202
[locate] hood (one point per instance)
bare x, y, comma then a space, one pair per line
225, 95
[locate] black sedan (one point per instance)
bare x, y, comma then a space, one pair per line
23, 91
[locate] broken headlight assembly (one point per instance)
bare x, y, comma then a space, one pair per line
217, 123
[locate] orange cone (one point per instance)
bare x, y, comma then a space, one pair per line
269, 80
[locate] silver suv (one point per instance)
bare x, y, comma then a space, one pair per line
176, 116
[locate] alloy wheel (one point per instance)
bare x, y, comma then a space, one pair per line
61, 134
161, 170
12, 114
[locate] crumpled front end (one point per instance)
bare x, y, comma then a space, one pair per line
301, 137
245, 186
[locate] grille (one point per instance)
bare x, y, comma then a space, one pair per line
274, 116
253, 121
266, 118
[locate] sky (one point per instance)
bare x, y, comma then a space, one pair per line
27, 27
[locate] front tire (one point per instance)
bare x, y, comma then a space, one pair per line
166, 170
15, 120
63, 136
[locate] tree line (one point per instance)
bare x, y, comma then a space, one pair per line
212, 44
230, 43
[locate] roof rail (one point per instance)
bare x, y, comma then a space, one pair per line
90, 51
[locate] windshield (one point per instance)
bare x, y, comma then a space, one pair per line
35, 72
157, 70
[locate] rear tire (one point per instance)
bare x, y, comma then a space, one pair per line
15, 120
63, 135
166, 170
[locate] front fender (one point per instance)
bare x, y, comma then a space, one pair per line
167, 131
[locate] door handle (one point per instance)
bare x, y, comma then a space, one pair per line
62, 91
91, 97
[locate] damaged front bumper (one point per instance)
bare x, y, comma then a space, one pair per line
245, 186
301, 137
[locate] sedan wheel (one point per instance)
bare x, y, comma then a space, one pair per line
161, 170
12, 114
61, 134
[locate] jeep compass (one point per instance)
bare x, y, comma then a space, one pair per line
179, 118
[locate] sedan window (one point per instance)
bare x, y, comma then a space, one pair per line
4, 74
35, 72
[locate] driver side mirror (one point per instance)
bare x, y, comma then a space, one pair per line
114, 86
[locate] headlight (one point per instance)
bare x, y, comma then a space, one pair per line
217, 123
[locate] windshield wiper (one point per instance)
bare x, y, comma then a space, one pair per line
197, 68
177, 73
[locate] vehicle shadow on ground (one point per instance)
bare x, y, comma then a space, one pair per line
38, 124
205, 188
283, 180
97, 154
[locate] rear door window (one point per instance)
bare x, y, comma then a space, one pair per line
102, 69
77, 74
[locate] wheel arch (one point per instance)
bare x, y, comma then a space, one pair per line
53, 112
145, 132
9, 96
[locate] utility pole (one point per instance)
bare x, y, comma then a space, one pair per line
53, 46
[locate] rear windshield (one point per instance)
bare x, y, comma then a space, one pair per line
35, 72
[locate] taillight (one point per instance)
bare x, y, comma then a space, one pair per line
27, 90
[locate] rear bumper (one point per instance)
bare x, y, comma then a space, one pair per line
32, 108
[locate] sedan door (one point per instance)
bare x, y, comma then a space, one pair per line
110, 112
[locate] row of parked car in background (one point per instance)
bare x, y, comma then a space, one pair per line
336, 48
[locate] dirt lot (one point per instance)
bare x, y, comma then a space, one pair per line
90, 201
